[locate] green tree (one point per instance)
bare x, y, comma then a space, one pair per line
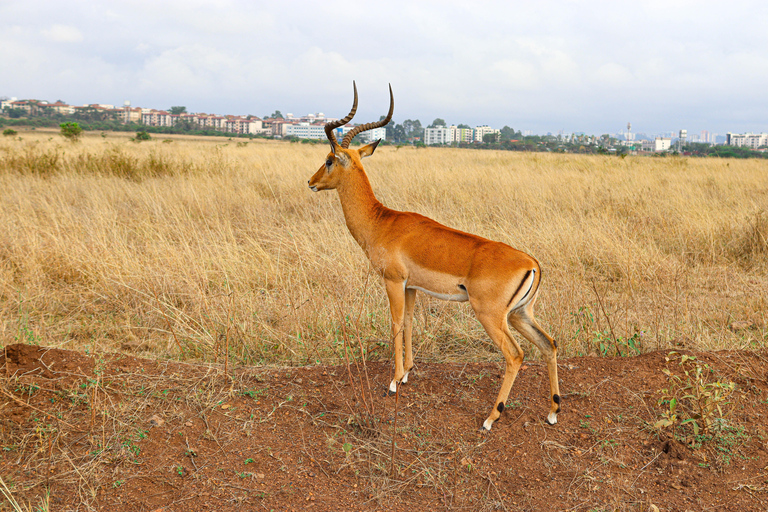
277, 115
14, 113
463, 126
184, 125
390, 127
398, 133
491, 138
71, 131
178, 109
9, 132
437, 122
413, 129
508, 133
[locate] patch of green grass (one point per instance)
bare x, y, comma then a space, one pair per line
694, 400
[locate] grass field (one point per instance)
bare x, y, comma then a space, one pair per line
192, 248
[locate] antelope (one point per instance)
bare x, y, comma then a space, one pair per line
414, 253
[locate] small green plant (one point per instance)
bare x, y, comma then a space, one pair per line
694, 400
135, 450
248, 460
117, 484
71, 131
28, 390
141, 136
9, 132
253, 393
25, 334
603, 342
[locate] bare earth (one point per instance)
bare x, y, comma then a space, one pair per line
113, 432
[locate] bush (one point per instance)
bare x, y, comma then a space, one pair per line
9, 132
71, 131
140, 136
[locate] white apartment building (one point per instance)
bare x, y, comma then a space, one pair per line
244, 126
747, 140
305, 131
443, 135
461, 134
59, 107
157, 118
341, 131
439, 135
482, 131
373, 135
659, 144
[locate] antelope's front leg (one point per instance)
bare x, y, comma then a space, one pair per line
396, 294
410, 300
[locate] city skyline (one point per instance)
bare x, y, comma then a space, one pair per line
546, 67
703, 136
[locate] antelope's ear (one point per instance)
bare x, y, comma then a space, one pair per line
368, 149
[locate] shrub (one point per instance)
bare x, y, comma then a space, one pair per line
71, 131
140, 136
9, 132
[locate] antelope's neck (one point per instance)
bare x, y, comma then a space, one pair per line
360, 207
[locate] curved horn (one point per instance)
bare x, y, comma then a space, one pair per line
370, 126
329, 127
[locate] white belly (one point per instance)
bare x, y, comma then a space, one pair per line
461, 296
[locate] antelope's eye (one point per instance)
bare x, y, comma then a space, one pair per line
328, 162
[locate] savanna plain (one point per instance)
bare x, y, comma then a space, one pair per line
186, 326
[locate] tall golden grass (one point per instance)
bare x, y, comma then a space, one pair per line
192, 247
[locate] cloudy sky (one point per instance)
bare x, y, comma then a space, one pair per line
543, 66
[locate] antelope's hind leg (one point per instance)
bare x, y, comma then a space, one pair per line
522, 319
497, 328
410, 300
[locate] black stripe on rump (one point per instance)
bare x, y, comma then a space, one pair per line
525, 278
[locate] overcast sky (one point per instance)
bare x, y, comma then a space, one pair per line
542, 66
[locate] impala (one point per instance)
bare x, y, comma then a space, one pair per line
413, 252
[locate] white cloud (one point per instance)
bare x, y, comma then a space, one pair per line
613, 75
541, 66
62, 34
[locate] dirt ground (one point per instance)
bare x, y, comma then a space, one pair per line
114, 432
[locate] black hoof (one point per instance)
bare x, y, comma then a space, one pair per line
389, 393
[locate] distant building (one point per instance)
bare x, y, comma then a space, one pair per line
482, 131
658, 144
276, 127
243, 125
747, 140
461, 134
373, 135
451, 134
305, 131
157, 118
438, 135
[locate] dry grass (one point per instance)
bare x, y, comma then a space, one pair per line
199, 247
